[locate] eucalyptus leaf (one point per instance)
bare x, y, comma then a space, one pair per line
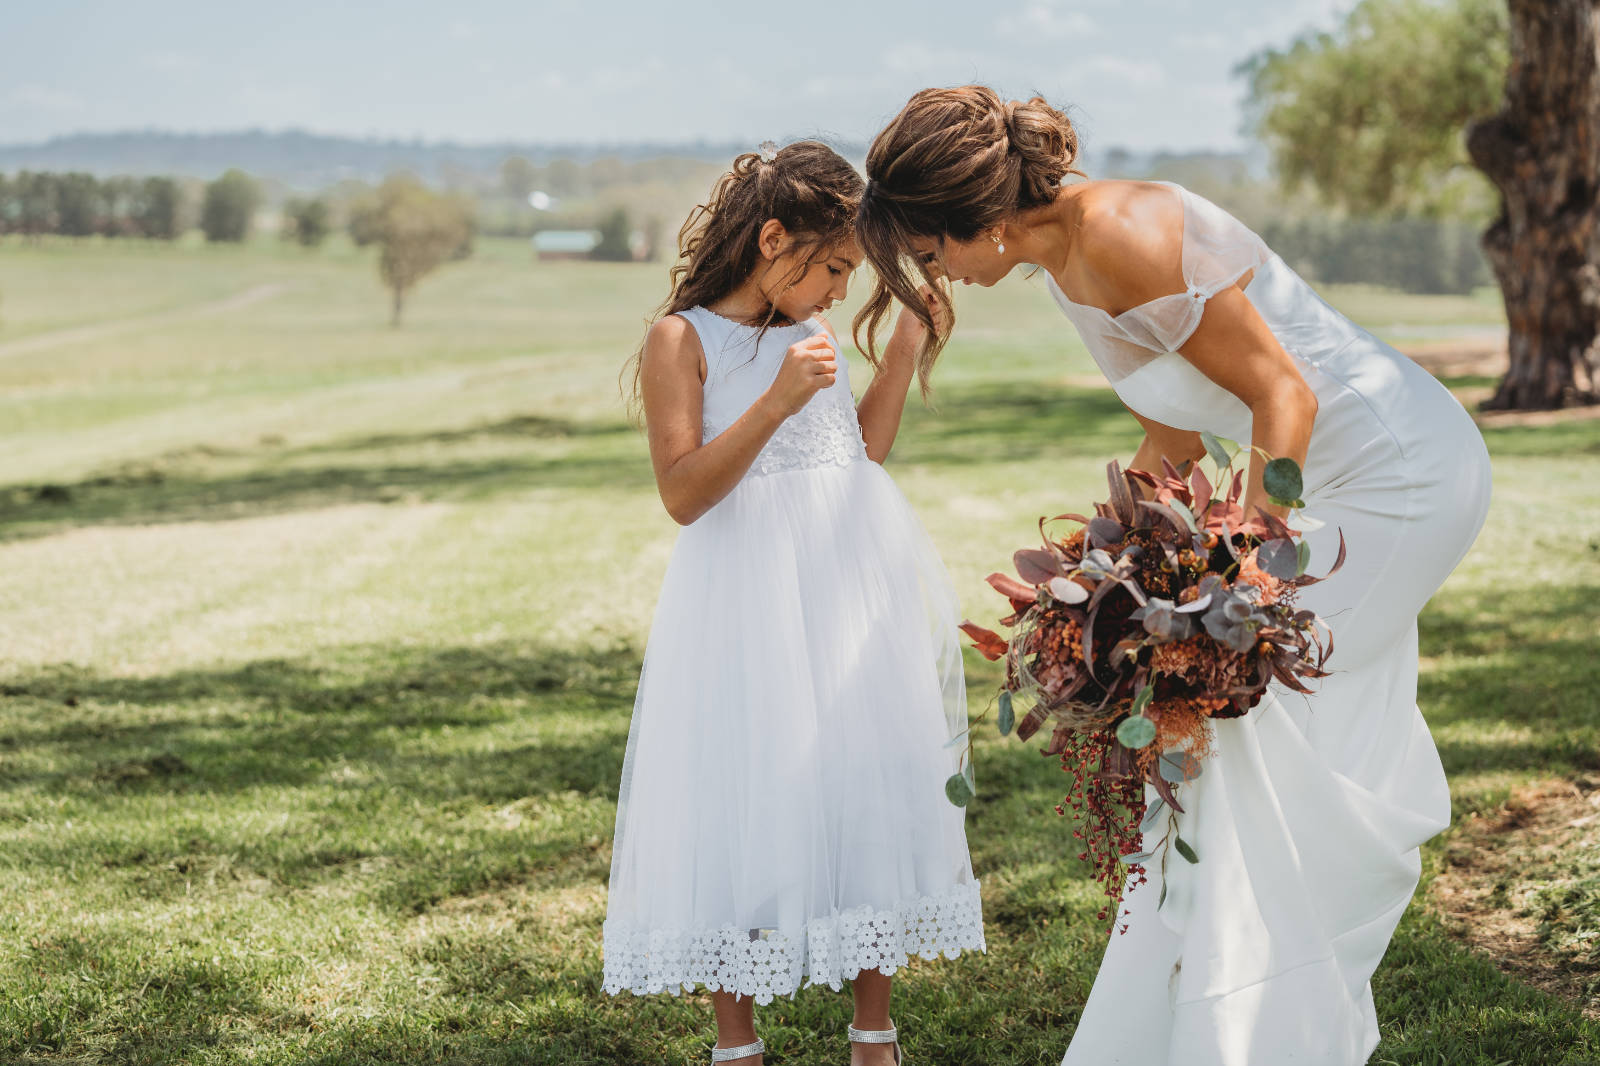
956, 790
1134, 858
1215, 449
1279, 558
1104, 531
1151, 813
1006, 717
1178, 766
1163, 898
1185, 850
1302, 557
1283, 481
1142, 700
1181, 509
1035, 565
1136, 731
1065, 590
1098, 563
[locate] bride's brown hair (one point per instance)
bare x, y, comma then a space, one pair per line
807, 186
952, 163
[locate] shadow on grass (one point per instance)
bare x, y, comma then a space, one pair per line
991, 423
1530, 671
215, 484
1015, 421
285, 723
1558, 440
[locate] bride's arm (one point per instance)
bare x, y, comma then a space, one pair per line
884, 401
1180, 447
1133, 253
1234, 348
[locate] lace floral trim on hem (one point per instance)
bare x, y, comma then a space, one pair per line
764, 963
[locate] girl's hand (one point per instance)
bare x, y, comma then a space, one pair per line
910, 326
808, 367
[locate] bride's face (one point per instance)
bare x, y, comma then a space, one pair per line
974, 262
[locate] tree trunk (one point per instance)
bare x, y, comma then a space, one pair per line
399, 300
1543, 153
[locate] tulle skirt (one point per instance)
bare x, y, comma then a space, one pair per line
782, 815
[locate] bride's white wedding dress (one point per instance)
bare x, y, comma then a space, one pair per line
1309, 814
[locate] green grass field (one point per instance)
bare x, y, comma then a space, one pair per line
318, 642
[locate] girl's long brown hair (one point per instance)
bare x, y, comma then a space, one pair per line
952, 163
807, 186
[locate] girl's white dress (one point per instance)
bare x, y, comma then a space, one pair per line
1308, 816
782, 812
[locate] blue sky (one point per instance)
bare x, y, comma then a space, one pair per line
1142, 74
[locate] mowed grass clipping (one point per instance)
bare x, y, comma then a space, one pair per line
318, 643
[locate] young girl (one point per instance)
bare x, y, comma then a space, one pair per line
782, 813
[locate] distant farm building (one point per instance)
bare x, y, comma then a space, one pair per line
565, 243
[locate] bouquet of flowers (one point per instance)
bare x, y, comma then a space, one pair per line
1168, 608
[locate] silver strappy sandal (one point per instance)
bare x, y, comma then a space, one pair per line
890, 1035
728, 1054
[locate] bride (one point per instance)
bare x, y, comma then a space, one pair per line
1309, 815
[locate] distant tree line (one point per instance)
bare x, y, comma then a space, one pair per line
40, 203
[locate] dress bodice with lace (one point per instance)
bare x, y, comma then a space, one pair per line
741, 362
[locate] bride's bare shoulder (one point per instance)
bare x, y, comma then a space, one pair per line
1130, 239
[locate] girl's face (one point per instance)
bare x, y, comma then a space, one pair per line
974, 262
820, 283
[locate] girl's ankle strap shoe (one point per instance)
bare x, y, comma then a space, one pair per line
890, 1035
728, 1054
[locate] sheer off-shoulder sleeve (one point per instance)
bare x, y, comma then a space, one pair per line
1218, 250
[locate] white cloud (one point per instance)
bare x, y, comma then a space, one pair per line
1204, 41
32, 96
1046, 18
1142, 72
277, 102
920, 58
170, 61
463, 31
626, 79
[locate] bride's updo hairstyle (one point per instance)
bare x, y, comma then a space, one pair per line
953, 163
806, 185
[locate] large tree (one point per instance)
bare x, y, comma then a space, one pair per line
1384, 115
1371, 116
416, 230
1542, 151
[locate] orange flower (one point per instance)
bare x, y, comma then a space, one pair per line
1251, 574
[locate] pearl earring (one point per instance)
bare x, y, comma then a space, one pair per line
999, 247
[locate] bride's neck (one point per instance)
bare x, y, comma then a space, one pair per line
1050, 233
